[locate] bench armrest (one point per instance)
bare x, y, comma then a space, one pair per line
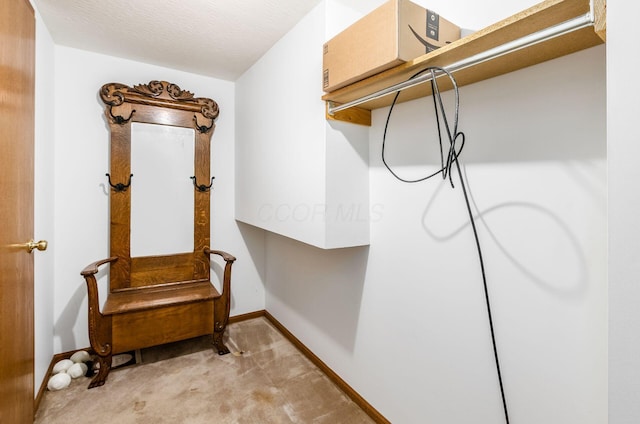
92, 269
222, 304
99, 328
89, 274
226, 256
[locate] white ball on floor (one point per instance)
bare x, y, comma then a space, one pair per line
62, 366
59, 381
77, 370
80, 356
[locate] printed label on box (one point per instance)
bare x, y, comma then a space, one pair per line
433, 25
428, 47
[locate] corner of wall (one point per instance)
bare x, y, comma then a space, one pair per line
44, 199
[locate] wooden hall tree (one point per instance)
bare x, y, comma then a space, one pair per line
159, 298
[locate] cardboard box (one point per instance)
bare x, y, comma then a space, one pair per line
396, 32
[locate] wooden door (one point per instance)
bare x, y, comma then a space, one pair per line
17, 64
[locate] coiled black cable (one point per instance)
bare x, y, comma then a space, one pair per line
445, 170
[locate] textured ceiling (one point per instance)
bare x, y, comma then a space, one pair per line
218, 38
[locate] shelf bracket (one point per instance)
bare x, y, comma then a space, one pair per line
599, 16
354, 115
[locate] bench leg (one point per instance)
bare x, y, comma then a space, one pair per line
100, 339
99, 326
103, 372
221, 310
218, 343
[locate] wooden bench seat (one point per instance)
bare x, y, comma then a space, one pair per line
150, 297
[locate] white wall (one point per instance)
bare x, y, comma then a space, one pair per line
81, 199
44, 220
403, 321
624, 209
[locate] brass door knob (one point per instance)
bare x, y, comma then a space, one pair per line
40, 245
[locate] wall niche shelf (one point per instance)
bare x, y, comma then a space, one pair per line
585, 19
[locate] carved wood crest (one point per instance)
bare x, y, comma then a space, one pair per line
162, 94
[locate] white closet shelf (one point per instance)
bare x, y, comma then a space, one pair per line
586, 20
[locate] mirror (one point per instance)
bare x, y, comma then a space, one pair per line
162, 195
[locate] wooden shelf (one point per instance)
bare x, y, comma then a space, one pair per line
539, 17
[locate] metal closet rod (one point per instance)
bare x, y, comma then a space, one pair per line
563, 28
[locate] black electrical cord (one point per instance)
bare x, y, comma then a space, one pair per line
445, 169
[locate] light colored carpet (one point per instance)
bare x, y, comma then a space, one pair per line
264, 380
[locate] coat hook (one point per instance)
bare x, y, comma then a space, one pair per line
202, 187
202, 129
119, 187
120, 120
